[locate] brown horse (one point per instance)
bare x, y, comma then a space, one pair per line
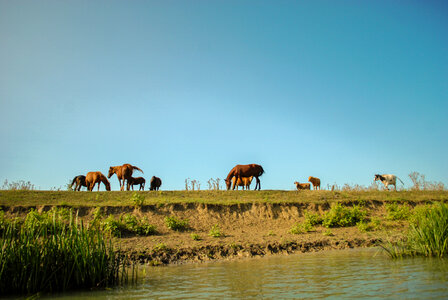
80, 181
137, 180
244, 171
243, 181
93, 178
155, 183
123, 172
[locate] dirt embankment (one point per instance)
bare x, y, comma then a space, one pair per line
246, 230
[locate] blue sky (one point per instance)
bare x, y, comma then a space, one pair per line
340, 90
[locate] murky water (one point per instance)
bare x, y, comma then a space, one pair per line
332, 274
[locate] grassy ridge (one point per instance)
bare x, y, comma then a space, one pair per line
118, 198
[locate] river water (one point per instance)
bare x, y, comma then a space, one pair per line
334, 274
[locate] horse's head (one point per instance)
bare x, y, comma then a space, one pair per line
107, 184
228, 184
111, 172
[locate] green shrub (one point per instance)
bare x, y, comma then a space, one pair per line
341, 216
129, 224
160, 247
300, 228
215, 231
195, 236
397, 212
176, 224
312, 219
138, 199
328, 232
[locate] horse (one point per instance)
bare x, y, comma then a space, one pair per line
315, 181
302, 186
388, 179
123, 172
93, 178
80, 181
137, 180
155, 183
245, 171
243, 181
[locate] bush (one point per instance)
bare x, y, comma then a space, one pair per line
340, 216
397, 212
138, 199
300, 228
215, 231
128, 224
176, 224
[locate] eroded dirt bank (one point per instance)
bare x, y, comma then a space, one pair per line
246, 230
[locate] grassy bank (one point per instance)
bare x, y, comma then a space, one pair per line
178, 226
127, 198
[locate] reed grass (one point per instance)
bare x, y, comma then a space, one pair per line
53, 253
427, 235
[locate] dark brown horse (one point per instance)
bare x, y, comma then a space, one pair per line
80, 181
155, 183
93, 178
137, 180
123, 172
240, 171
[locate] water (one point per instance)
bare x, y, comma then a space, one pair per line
331, 274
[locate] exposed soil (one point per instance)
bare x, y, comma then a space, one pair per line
249, 229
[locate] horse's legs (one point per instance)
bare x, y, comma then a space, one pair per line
258, 183
235, 182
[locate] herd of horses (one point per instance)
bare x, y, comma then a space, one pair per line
124, 175
240, 175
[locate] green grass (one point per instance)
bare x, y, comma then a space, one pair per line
54, 252
427, 235
124, 198
176, 224
215, 231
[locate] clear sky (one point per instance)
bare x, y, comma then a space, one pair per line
340, 90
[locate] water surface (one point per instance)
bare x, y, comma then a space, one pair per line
333, 274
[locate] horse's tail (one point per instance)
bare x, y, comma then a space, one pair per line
136, 168
261, 171
73, 181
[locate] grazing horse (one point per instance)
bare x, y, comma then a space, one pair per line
243, 181
240, 171
123, 172
137, 180
80, 181
315, 181
388, 179
302, 186
93, 178
155, 183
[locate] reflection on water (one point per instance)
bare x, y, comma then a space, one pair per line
334, 274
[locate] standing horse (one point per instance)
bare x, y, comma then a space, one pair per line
244, 171
80, 181
123, 172
137, 180
244, 182
155, 183
93, 178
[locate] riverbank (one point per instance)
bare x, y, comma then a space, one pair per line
229, 225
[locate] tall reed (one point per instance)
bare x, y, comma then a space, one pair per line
427, 235
59, 255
